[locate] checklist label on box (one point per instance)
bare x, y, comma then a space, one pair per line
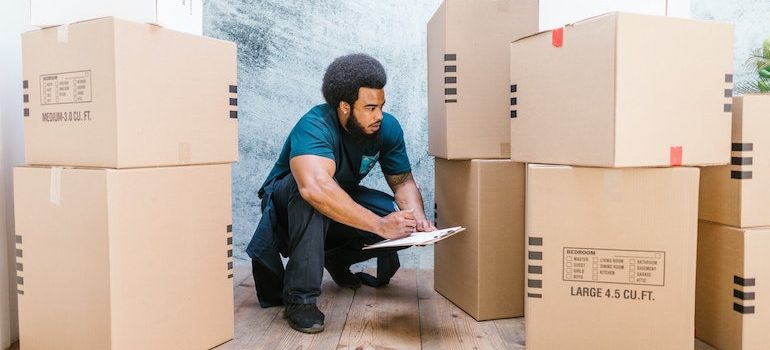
614, 266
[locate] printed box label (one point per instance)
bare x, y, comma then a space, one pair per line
618, 266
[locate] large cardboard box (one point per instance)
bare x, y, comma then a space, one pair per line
182, 15
467, 69
124, 259
481, 269
557, 13
623, 90
739, 194
610, 257
732, 307
117, 94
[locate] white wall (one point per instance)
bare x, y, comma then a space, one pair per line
14, 19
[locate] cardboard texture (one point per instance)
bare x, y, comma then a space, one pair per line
739, 194
596, 93
116, 94
732, 309
184, 15
124, 259
481, 269
558, 13
610, 257
467, 69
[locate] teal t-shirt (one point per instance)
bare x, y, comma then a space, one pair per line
320, 133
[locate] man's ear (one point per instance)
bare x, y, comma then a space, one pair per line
344, 107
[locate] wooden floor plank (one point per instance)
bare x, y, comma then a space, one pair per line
384, 318
251, 320
512, 332
445, 326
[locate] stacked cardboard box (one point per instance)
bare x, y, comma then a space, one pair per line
611, 250
123, 214
731, 311
468, 134
556, 13
184, 15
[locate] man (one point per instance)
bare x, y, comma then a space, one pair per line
313, 209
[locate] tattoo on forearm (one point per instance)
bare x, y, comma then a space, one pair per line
395, 181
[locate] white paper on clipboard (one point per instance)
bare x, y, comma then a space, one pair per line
418, 238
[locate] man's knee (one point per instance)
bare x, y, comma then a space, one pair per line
378, 202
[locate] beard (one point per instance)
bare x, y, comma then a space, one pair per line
357, 131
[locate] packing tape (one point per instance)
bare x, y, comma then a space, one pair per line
557, 37
505, 149
675, 158
613, 183
56, 185
63, 33
184, 153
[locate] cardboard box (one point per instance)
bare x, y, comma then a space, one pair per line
623, 90
181, 15
739, 194
610, 257
732, 308
116, 94
557, 13
124, 259
467, 69
481, 270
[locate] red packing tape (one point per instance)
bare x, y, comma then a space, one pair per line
557, 37
676, 156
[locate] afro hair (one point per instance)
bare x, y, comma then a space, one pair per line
347, 74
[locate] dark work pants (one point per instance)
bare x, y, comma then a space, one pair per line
311, 241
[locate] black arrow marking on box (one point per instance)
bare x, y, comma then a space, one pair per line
745, 282
743, 309
743, 295
742, 147
741, 160
740, 175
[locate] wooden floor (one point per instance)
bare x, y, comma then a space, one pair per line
407, 314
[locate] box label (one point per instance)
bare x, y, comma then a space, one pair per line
70, 87
594, 265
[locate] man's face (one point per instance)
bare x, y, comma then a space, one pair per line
366, 114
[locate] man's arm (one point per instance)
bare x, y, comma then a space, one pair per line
408, 197
314, 176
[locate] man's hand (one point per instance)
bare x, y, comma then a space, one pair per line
425, 226
397, 224
408, 196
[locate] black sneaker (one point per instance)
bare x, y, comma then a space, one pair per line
342, 276
305, 318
